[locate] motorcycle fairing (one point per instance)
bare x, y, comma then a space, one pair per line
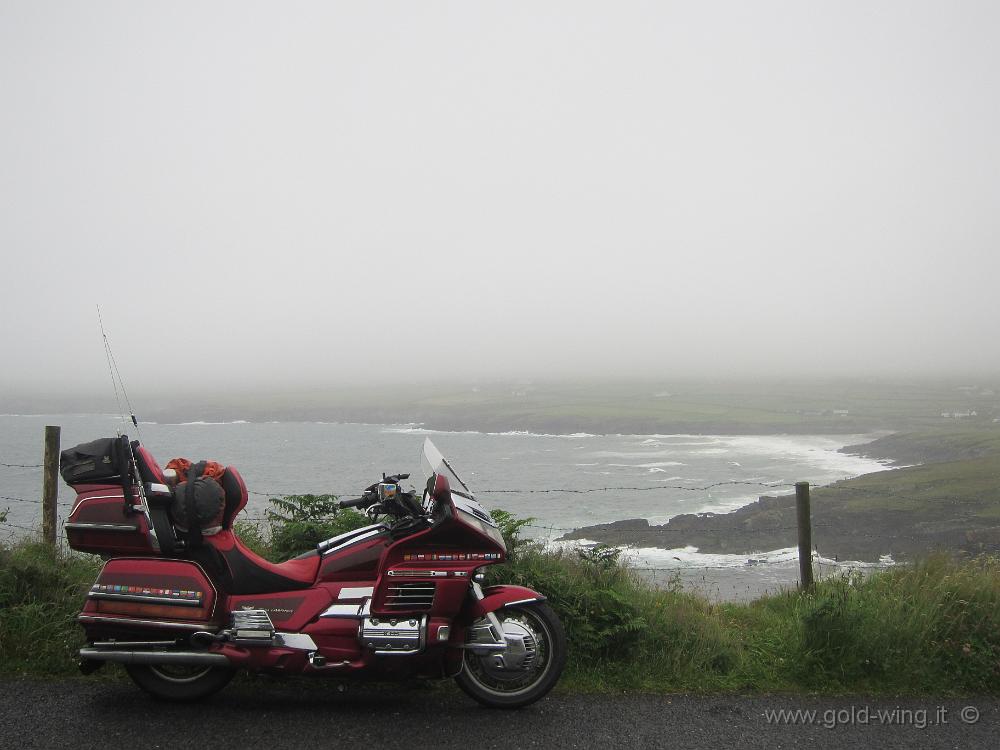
356, 557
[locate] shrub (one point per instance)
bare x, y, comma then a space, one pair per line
933, 626
297, 523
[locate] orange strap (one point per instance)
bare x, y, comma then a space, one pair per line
213, 469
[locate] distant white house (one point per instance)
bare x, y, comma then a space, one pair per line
841, 412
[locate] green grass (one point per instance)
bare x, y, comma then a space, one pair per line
41, 593
969, 488
928, 629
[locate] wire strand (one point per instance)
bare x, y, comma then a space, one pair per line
634, 489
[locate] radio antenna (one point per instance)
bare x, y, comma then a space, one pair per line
116, 380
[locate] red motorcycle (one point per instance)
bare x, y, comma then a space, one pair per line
184, 604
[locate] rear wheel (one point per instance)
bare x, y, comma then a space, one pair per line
174, 682
528, 669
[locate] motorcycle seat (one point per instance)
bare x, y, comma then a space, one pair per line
249, 573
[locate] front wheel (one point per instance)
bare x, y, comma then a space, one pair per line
179, 683
529, 667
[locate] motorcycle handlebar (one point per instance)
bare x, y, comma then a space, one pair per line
371, 496
355, 503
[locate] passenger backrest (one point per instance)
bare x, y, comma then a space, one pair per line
236, 495
149, 470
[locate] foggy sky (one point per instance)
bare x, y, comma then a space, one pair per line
283, 193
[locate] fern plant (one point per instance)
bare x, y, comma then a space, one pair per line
297, 523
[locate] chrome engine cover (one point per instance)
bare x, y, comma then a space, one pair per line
394, 636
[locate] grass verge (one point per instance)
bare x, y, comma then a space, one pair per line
929, 628
41, 593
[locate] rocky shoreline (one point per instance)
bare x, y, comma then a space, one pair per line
951, 506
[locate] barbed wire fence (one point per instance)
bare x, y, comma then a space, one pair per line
19, 529
552, 534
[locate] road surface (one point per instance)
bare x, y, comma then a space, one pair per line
112, 714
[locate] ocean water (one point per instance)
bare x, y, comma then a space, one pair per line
299, 457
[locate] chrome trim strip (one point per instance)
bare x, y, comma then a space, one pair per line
80, 499
94, 619
144, 599
298, 641
524, 601
332, 541
419, 573
342, 610
356, 592
354, 540
102, 526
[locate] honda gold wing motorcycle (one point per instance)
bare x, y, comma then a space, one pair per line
184, 605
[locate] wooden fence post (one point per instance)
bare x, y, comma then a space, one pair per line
50, 484
805, 534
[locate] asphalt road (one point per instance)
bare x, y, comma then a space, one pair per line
109, 714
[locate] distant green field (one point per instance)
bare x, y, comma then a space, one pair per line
704, 406
955, 488
955, 491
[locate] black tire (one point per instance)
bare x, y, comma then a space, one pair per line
497, 687
175, 683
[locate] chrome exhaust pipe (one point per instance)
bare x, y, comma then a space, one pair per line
186, 658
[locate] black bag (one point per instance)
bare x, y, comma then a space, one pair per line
205, 504
100, 459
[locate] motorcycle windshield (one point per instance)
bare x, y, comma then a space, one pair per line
433, 462
468, 509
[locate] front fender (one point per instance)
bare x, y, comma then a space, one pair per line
496, 597
478, 604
